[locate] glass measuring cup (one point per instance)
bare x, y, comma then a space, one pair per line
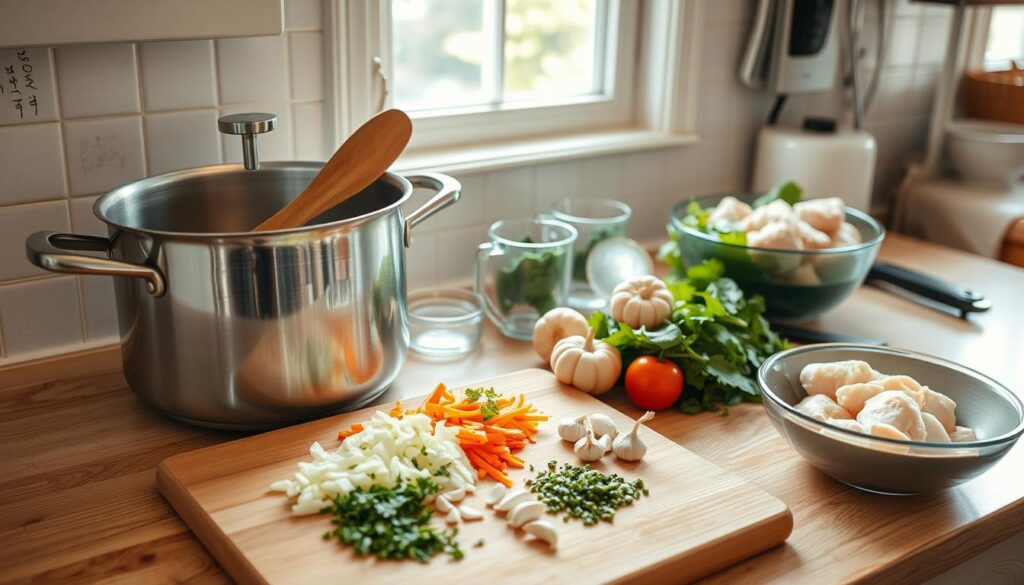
529, 262
595, 220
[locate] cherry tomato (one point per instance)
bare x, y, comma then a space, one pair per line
653, 384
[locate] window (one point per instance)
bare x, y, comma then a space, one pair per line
1005, 42
517, 74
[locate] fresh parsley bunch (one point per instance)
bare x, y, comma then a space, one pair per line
715, 335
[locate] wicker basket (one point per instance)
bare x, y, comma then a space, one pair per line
995, 95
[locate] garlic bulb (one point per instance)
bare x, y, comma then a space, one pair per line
602, 425
588, 448
525, 512
572, 429
543, 530
629, 447
606, 443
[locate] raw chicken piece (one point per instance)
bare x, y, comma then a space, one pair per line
853, 396
823, 408
778, 235
776, 211
846, 235
850, 425
812, 238
934, 433
826, 378
962, 434
823, 214
803, 274
887, 431
729, 209
939, 405
905, 383
895, 408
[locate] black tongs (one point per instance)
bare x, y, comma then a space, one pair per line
962, 299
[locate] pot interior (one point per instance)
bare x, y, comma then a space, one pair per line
227, 199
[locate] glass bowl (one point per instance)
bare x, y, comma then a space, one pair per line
444, 323
891, 466
797, 285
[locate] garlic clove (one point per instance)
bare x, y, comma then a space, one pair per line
453, 516
572, 429
525, 512
456, 495
443, 505
495, 495
470, 514
543, 530
602, 425
513, 499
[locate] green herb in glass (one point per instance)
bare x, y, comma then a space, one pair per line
579, 259
530, 279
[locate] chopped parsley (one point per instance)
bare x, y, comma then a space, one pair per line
488, 407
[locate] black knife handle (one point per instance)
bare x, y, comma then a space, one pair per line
963, 299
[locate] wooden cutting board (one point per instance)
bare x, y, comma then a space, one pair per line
697, 519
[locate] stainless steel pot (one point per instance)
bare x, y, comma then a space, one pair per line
225, 328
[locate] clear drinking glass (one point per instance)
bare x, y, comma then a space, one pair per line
594, 220
529, 262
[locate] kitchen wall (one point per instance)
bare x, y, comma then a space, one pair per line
112, 114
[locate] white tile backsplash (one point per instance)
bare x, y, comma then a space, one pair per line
31, 96
182, 140
177, 75
96, 80
182, 86
40, 315
308, 135
252, 69
16, 224
31, 163
306, 61
273, 145
303, 14
103, 153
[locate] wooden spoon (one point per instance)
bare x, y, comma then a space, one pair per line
364, 157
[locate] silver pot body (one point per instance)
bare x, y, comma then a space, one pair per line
225, 328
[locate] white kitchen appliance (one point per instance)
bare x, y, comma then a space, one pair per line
794, 48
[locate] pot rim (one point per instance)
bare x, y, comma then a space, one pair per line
139, 187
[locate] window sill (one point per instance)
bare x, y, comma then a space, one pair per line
508, 154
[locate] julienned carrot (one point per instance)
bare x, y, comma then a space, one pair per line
488, 437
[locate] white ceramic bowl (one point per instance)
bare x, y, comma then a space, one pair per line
982, 150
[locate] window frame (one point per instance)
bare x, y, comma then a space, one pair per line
656, 102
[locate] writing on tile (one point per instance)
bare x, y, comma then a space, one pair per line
26, 86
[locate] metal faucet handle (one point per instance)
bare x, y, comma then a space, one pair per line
248, 125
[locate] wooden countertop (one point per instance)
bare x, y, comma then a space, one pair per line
78, 451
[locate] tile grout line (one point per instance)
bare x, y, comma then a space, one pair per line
79, 290
215, 73
291, 80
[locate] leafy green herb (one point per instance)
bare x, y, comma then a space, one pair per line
715, 335
488, 408
478, 543
789, 192
391, 523
530, 279
584, 493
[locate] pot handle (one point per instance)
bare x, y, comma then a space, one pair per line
48, 250
448, 191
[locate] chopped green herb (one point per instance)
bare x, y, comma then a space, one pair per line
478, 543
584, 493
489, 408
391, 523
